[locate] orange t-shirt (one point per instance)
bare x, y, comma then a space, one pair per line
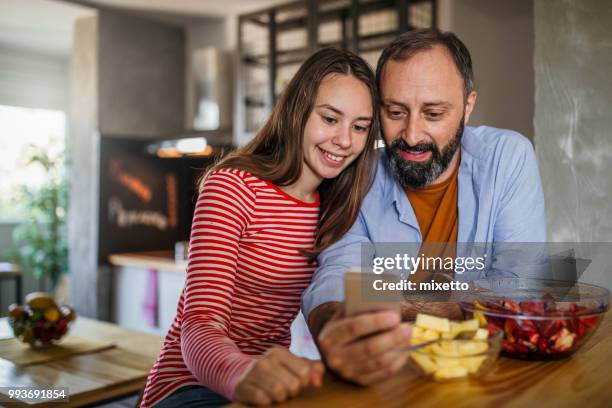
435, 208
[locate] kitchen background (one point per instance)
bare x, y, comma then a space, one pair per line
115, 84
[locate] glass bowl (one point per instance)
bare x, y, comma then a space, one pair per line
41, 330
456, 359
541, 319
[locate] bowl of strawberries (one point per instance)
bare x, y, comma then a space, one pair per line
541, 319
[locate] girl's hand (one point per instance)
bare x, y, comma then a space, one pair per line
278, 376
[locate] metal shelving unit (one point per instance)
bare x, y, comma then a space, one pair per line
272, 43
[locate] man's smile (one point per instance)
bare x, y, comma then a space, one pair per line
416, 156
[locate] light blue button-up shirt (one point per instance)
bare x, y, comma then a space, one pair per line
500, 199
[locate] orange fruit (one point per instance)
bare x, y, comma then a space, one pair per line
52, 315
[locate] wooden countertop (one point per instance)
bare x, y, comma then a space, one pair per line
93, 377
161, 260
584, 380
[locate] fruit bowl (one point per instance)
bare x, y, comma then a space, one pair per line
40, 322
540, 319
444, 350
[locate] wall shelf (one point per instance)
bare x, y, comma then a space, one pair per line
272, 43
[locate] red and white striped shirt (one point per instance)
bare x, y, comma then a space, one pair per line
244, 281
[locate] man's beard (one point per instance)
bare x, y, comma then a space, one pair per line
419, 174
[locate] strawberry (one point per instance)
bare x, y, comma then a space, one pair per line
510, 328
533, 307
511, 306
543, 345
589, 321
530, 346
554, 328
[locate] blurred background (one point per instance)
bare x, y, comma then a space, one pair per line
111, 109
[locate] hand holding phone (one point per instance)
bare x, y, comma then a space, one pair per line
364, 342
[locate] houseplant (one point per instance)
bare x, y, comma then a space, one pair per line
42, 237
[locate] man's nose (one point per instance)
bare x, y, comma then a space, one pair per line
412, 133
342, 138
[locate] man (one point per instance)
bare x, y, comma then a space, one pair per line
440, 181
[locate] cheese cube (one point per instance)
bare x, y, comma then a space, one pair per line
425, 362
449, 336
481, 334
420, 335
446, 349
469, 325
469, 348
433, 323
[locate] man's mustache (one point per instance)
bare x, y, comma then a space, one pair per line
400, 144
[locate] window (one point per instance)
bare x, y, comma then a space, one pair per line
21, 128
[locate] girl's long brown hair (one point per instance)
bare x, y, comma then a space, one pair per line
276, 152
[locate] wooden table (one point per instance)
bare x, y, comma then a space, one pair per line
90, 377
583, 380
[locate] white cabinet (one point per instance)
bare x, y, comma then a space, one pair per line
135, 290
170, 288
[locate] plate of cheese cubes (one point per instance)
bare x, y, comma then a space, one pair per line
444, 350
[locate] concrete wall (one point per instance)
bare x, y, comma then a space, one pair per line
128, 76
84, 171
573, 58
141, 77
499, 35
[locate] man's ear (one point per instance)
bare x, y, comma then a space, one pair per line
469, 106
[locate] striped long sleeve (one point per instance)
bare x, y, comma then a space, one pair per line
244, 279
222, 213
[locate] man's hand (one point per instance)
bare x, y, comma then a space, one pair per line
278, 376
364, 348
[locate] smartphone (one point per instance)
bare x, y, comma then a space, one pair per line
363, 294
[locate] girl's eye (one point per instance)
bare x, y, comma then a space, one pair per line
360, 128
329, 119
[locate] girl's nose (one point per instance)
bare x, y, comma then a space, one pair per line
343, 137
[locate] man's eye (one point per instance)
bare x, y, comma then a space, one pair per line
396, 114
434, 115
329, 119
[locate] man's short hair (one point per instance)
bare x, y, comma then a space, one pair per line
412, 42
